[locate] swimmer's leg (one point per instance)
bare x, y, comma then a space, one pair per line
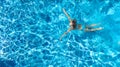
94, 29
92, 25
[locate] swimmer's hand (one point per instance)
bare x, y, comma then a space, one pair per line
69, 18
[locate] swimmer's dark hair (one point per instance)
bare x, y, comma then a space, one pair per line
74, 23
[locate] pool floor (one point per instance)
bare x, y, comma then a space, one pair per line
30, 32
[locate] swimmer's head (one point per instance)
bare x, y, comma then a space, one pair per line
73, 23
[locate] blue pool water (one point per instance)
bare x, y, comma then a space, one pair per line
30, 32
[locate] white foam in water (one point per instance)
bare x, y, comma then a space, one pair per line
119, 42
85, 19
50, 66
107, 1
62, 16
110, 12
91, 53
85, 40
81, 45
1, 52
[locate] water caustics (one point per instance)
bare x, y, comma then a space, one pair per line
30, 32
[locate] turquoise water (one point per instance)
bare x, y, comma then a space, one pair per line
30, 31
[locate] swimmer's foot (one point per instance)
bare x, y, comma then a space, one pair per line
100, 28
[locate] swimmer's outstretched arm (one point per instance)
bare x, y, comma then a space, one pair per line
65, 33
67, 15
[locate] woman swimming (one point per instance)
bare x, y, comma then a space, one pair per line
73, 25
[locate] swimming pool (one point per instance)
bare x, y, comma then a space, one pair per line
30, 32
